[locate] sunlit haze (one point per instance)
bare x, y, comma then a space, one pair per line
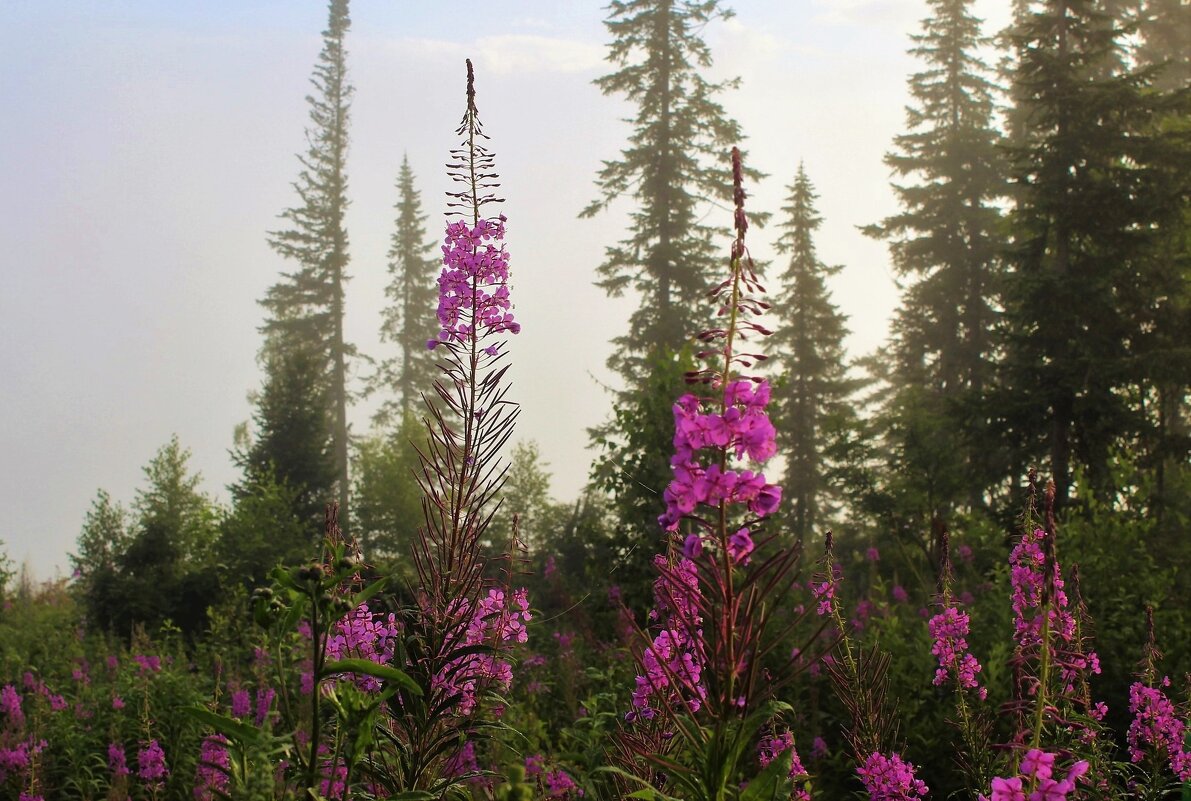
147, 146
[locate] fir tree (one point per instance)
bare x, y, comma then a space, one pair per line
290, 442
387, 497
810, 396
1087, 202
1164, 53
306, 308
946, 241
409, 321
165, 572
102, 539
676, 157
1165, 28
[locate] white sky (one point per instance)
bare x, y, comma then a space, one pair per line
146, 146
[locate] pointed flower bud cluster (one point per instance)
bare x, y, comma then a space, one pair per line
473, 299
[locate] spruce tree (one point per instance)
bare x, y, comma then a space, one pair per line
812, 390
1086, 204
1164, 52
677, 157
291, 437
165, 572
409, 320
945, 242
306, 307
1165, 28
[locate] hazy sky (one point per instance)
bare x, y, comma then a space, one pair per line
147, 146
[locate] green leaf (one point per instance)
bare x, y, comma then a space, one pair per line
771, 783
370, 668
412, 795
372, 589
650, 792
235, 730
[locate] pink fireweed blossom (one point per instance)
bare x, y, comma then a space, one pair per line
559, 784
1036, 782
473, 287
363, 635
150, 762
241, 703
824, 593
890, 778
949, 629
771, 747
10, 705
264, 702
1028, 577
495, 621
117, 761
1156, 724
742, 429
462, 763
673, 662
210, 775
148, 663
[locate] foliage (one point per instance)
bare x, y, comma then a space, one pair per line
408, 321
306, 307
675, 157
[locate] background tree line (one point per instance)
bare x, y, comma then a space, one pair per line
1041, 246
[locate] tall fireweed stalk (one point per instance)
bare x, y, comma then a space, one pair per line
394, 703
861, 677
1052, 660
1056, 719
703, 698
960, 670
466, 614
1157, 733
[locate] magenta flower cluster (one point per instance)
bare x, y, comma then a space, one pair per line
10, 705
117, 760
949, 629
1036, 782
210, 775
1156, 725
364, 635
150, 760
673, 662
1027, 576
473, 291
890, 778
555, 783
497, 619
743, 429
773, 746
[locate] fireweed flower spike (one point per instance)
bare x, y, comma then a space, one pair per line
1050, 657
1156, 722
464, 620
699, 681
949, 630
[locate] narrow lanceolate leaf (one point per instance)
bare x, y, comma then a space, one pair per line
369, 668
238, 731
